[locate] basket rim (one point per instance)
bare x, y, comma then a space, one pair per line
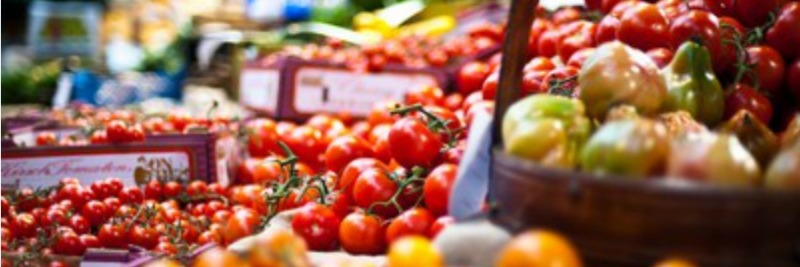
659, 184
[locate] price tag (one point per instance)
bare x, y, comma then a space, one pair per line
326, 90
258, 88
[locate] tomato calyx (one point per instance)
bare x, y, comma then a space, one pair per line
433, 122
416, 177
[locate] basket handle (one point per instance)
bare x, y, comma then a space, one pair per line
515, 53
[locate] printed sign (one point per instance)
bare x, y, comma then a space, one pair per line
131, 167
329, 90
258, 88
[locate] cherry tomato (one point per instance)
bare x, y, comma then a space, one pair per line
143, 236
362, 234
307, 143
742, 96
131, 194
262, 138
548, 43
6, 207
117, 131
218, 257
793, 79
96, 212
242, 223
353, 170
116, 186
414, 251
579, 57
644, 20
581, 38
379, 137
379, 114
412, 144
209, 237
489, 88
538, 27
755, 13
112, 203
90, 241
769, 68
700, 26
196, 188
54, 216
538, 248
152, 190
471, 76
440, 224
166, 248
172, 189
344, 150
217, 188
23, 225
136, 133
416, 221
372, 186
606, 30
424, 95
69, 244
437, 188
318, 225
784, 35
46, 139
79, 224
113, 236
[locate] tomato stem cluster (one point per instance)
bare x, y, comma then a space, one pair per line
435, 123
416, 176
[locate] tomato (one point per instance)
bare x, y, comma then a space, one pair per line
557, 79
755, 13
579, 57
437, 57
481, 107
23, 225
172, 189
262, 138
380, 114
414, 251
416, 221
538, 248
116, 186
412, 144
242, 223
424, 95
216, 188
344, 150
131, 194
90, 241
74, 193
437, 188
152, 190
606, 30
489, 88
793, 79
471, 76
79, 224
268, 171
101, 189
452, 122
209, 237
117, 131
112, 203
69, 244
581, 38
341, 204
197, 188
6, 207
143, 236
218, 257
784, 35
538, 27
330, 127
278, 248
548, 43
741, 96
307, 143
661, 56
379, 137
54, 216
644, 20
135, 133
439, 225
113, 236
46, 139
769, 68
362, 234
372, 186
96, 212
318, 225
702, 26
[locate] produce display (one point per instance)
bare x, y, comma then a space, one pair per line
696, 93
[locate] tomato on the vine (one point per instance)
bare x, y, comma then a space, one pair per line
344, 150
23, 224
96, 212
46, 139
784, 35
172, 189
416, 221
113, 236
412, 144
379, 137
425, 95
372, 187
362, 234
69, 243
143, 236
79, 224
769, 68
307, 143
196, 188
131, 194
318, 225
262, 138
742, 96
153, 190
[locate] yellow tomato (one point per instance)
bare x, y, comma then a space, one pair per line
414, 251
539, 248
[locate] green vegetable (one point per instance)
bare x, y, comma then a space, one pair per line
692, 86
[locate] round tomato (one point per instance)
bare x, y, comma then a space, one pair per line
69, 243
23, 225
116, 186
318, 225
130, 194
379, 114
412, 144
701, 26
196, 188
112, 203
262, 138
489, 88
414, 251
90, 241
172, 189
606, 30
416, 221
117, 131
113, 236
79, 224
152, 190
793, 79
661, 56
769, 68
143, 236
54, 216
784, 35
379, 137
242, 223
644, 20
438, 186
755, 13
101, 189
166, 248
209, 237
439, 225
307, 143
579, 57
96, 212
471, 76
741, 96
46, 139
538, 248
425, 95
362, 234
373, 186
344, 150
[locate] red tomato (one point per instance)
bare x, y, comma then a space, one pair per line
116, 185
471, 76
23, 225
69, 244
131, 194
793, 79
705, 27
413, 144
580, 39
135, 133
117, 131
196, 188
379, 137
96, 212
373, 186
416, 221
579, 57
606, 30
112, 203
46, 139
453, 123
307, 143
769, 68
90, 241
113, 236
79, 224
755, 13
362, 234
6, 207
209, 237
54, 216
742, 96
142, 236
262, 138
644, 26
439, 225
242, 223
438, 186
424, 95
172, 189
268, 171
784, 35
661, 56
380, 112
353, 170
453, 101
216, 188
489, 89
344, 150
318, 225
538, 27
548, 43
152, 190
